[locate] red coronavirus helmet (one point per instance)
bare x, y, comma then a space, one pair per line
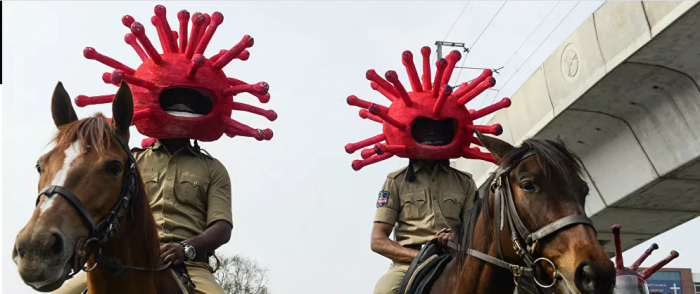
627, 280
429, 101
180, 93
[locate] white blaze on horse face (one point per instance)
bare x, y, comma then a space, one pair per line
71, 153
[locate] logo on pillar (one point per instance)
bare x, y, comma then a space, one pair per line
570, 62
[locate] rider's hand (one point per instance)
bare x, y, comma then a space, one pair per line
444, 236
174, 252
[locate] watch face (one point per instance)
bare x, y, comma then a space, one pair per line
189, 251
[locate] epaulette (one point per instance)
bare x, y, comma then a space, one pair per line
136, 149
205, 153
395, 174
461, 171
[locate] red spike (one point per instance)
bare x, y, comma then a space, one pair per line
184, 17
476, 141
83, 100
505, 102
148, 142
90, 53
197, 62
384, 92
644, 256
475, 153
394, 149
236, 128
367, 153
446, 92
197, 22
264, 98
127, 20
131, 40
354, 101
464, 88
359, 164
141, 114
407, 60
619, 262
216, 19
374, 77
490, 82
203, 29
246, 42
392, 77
271, 115
365, 115
495, 129
160, 12
425, 51
140, 33
260, 88
452, 59
175, 35
440, 65
155, 21
350, 148
654, 268
118, 76
107, 78
378, 111
242, 56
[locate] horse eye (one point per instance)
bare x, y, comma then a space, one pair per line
38, 168
114, 167
528, 186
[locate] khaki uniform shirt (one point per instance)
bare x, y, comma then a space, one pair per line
436, 199
187, 191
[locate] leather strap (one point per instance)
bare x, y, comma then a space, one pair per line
52, 190
495, 261
558, 225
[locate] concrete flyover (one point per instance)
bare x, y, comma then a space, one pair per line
622, 91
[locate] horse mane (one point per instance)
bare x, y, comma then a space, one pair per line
98, 133
553, 158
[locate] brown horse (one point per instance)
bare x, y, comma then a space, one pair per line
93, 209
537, 188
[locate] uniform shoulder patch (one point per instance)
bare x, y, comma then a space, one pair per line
383, 199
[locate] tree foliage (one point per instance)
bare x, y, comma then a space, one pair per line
240, 275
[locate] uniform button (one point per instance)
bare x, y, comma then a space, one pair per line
167, 196
167, 231
165, 215
171, 162
170, 179
195, 182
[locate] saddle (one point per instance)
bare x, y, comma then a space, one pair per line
180, 276
425, 268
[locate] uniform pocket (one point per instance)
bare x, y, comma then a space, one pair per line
192, 188
150, 184
412, 205
452, 203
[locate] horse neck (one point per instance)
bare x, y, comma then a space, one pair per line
476, 275
135, 244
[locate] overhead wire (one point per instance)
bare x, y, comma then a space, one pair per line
477, 40
454, 23
528, 58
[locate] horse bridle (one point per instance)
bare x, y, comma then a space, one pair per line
101, 232
504, 207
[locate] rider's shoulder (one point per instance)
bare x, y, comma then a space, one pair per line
394, 174
460, 172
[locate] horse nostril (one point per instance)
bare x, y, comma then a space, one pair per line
585, 277
56, 244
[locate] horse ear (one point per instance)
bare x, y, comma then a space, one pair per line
560, 141
498, 148
61, 107
123, 109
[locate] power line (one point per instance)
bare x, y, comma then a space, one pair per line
528, 58
477, 40
453, 24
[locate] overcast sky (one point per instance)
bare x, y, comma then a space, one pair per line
299, 209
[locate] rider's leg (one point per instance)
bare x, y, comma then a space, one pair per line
76, 285
203, 278
390, 282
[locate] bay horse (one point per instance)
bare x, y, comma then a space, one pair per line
529, 222
92, 208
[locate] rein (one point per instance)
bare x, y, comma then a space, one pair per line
523, 241
101, 232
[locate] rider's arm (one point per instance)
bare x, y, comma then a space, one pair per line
388, 209
386, 247
219, 215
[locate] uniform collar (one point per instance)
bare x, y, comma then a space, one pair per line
418, 164
157, 145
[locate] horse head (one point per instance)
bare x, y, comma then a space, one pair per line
80, 180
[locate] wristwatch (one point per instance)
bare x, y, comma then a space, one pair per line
190, 253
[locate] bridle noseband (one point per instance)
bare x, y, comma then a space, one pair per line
524, 242
101, 232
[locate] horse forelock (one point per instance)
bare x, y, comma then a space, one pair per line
93, 132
